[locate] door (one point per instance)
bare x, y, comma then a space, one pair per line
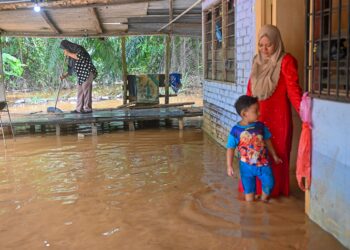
289, 17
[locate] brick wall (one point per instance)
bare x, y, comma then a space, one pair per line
219, 114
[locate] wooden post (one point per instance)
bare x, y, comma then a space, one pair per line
93, 129
43, 128
58, 130
103, 127
3, 135
125, 72
167, 68
131, 126
32, 129
307, 191
181, 123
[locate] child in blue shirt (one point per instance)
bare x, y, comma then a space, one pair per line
252, 140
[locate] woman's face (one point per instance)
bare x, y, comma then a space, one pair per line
266, 47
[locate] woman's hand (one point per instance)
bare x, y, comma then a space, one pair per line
63, 76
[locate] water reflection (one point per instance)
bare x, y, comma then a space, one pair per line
150, 189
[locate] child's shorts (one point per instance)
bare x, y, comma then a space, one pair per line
249, 174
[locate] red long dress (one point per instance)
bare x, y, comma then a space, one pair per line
275, 113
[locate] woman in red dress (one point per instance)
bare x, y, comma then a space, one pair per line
274, 81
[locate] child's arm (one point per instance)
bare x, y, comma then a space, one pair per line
272, 151
229, 159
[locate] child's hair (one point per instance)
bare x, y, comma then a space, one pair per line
244, 102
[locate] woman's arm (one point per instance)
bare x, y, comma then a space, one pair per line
72, 55
290, 71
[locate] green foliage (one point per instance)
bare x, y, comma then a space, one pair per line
145, 54
12, 65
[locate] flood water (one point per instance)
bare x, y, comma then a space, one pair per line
148, 189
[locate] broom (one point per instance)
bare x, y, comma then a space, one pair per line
55, 109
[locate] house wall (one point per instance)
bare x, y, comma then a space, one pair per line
329, 194
218, 98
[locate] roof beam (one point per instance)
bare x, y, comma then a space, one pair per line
78, 34
183, 13
50, 22
62, 4
96, 20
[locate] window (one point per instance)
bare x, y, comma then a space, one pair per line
219, 42
327, 58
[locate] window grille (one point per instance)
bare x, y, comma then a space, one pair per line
327, 57
219, 42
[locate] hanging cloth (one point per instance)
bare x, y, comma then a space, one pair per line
303, 169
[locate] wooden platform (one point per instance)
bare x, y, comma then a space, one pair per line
101, 117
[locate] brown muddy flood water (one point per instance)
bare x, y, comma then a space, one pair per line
148, 189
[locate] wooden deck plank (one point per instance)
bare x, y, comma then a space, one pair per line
103, 116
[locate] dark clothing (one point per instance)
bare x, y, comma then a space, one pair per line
71, 47
83, 67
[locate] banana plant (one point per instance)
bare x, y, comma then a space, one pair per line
12, 65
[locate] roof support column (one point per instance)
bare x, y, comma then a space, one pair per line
167, 67
168, 53
125, 71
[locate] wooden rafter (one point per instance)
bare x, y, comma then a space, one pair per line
79, 34
50, 22
183, 13
62, 4
100, 18
96, 19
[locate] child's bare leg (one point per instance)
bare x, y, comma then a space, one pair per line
264, 197
249, 197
